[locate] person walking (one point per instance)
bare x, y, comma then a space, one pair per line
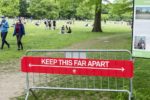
4, 30
19, 31
46, 24
49, 24
54, 24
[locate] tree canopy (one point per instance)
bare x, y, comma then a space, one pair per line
43, 9
9, 8
121, 10
68, 9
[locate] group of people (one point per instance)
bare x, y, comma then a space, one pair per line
19, 31
66, 29
50, 24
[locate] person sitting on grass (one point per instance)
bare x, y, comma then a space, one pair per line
63, 29
66, 27
19, 31
37, 23
54, 24
69, 30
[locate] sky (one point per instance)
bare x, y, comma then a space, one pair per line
110, 1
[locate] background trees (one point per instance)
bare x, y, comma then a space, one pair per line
23, 8
68, 9
43, 9
121, 10
9, 8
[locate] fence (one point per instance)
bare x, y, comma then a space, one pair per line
66, 81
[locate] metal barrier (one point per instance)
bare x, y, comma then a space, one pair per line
78, 82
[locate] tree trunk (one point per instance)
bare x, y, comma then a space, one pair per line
97, 21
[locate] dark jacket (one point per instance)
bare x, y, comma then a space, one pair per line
21, 30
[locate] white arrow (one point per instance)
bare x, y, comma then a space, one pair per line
119, 69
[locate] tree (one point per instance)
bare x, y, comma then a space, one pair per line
97, 17
68, 8
122, 9
97, 21
89, 3
84, 12
9, 8
23, 5
43, 9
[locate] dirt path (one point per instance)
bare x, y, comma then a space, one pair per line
12, 81
11, 85
91, 43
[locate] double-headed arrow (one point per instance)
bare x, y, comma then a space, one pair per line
117, 69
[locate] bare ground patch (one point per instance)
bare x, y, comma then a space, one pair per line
11, 85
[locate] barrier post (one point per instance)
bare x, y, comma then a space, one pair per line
27, 86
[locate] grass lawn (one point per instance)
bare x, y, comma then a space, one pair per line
39, 38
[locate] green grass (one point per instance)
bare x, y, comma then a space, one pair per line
39, 38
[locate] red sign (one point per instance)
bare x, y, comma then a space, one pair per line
71, 66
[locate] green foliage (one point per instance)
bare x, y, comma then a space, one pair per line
84, 12
121, 10
105, 16
9, 8
67, 9
23, 5
80, 9
43, 9
106, 8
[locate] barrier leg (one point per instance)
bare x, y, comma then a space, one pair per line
27, 95
27, 87
28, 92
36, 98
131, 88
129, 96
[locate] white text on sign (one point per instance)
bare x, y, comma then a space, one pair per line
80, 63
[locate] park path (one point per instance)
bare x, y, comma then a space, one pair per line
12, 81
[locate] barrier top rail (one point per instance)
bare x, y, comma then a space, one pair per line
79, 50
